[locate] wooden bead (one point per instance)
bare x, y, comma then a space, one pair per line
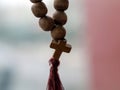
60, 17
58, 33
39, 9
61, 5
35, 1
46, 23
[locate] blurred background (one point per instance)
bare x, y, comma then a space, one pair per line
24, 48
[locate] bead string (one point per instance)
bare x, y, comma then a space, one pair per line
55, 24
58, 32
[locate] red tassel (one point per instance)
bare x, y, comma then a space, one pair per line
54, 82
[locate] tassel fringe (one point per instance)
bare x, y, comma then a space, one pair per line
54, 82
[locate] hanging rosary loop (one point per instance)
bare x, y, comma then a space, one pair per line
55, 25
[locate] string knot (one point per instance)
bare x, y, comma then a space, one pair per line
54, 63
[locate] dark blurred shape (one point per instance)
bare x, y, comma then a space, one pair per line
5, 79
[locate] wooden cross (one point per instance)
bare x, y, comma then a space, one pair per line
60, 47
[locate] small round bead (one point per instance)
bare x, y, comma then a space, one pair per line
58, 33
60, 17
35, 1
39, 9
46, 23
61, 5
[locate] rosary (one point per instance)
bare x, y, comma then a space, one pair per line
58, 32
